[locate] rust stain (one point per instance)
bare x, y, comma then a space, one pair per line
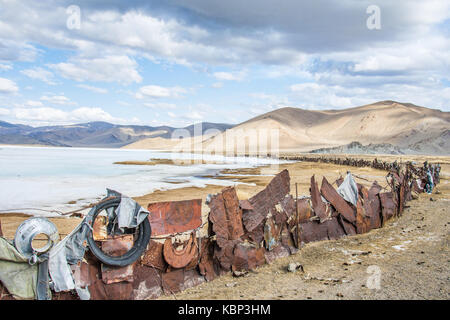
387, 205
100, 228
153, 257
117, 246
175, 216
179, 258
226, 216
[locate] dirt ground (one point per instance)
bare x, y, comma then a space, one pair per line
410, 254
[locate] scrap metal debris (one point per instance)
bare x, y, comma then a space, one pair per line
242, 234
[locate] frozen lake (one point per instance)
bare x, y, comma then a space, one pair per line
49, 178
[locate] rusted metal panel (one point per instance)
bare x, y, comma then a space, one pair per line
349, 228
247, 257
179, 258
278, 252
334, 229
101, 291
320, 208
172, 282
224, 254
153, 256
337, 201
117, 246
226, 216
387, 205
100, 228
192, 278
147, 283
272, 194
305, 210
245, 205
312, 231
371, 206
112, 274
362, 222
208, 268
175, 216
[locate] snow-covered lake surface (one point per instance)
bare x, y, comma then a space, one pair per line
49, 178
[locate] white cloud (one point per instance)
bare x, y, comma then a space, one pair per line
92, 88
57, 99
8, 86
5, 67
49, 115
160, 105
153, 91
194, 115
40, 74
230, 76
114, 68
4, 112
217, 85
33, 104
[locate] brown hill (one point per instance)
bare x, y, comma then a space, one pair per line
403, 126
412, 128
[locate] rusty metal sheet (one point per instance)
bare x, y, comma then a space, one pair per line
192, 278
172, 282
312, 231
117, 246
179, 258
252, 219
339, 181
224, 254
349, 228
387, 205
208, 268
278, 252
337, 201
305, 210
320, 208
362, 222
370, 204
272, 194
247, 257
147, 283
245, 205
240, 258
100, 228
334, 229
226, 216
101, 291
175, 216
153, 256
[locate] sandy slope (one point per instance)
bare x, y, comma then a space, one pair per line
405, 125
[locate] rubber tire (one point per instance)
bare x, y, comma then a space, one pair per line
133, 254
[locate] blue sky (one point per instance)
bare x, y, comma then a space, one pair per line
181, 62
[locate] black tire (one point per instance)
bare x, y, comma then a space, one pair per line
139, 246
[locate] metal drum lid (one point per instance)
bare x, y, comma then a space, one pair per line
29, 229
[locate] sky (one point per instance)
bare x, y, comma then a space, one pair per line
181, 62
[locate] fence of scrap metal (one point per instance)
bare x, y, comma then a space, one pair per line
244, 234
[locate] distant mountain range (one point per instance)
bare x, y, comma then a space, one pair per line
92, 134
383, 127
388, 127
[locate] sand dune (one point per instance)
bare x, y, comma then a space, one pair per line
412, 128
